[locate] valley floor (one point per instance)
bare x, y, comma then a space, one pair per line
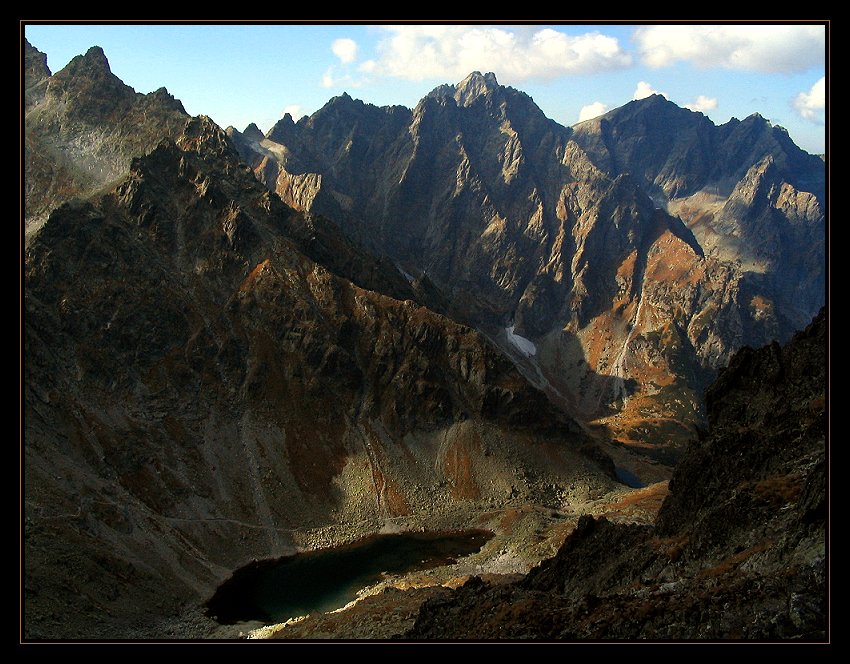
524, 536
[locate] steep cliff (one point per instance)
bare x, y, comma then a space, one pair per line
83, 126
198, 392
738, 550
593, 244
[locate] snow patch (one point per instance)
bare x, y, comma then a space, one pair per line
525, 346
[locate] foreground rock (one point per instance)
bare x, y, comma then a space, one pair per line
199, 393
738, 548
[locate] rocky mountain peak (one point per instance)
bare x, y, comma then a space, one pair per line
93, 62
83, 128
35, 64
204, 137
654, 99
468, 90
164, 98
474, 86
89, 87
252, 131
282, 130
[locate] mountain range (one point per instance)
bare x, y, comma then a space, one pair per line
636, 251
240, 345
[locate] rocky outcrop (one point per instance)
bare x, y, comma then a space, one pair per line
200, 392
677, 152
746, 191
83, 126
737, 551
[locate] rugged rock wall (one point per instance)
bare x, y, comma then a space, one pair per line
83, 126
636, 252
198, 392
746, 191
738, 550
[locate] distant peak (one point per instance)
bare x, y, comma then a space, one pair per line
201, 134
96, 52
474, 86
654, 99
36, 63
757, 118
93, 63
282, 130
477, 78
95, 57
252, 132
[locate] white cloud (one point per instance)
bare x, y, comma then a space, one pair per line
644, 90
591, 111
294, 110
345, 49
703, 104
451, 52
330, 79
812, 104
761, 48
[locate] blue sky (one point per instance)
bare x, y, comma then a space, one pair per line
242, 73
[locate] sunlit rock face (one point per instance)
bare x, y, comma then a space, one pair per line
83, 127
637, 251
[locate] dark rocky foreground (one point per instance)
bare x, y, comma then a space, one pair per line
200, 393
738, 550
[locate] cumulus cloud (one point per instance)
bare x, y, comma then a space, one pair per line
345, 49
294, 110
591, 111
334, 79
812, 104
703, 104
451, 52
644, 90
761, 48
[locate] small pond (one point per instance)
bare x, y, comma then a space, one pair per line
318, 581
628, 478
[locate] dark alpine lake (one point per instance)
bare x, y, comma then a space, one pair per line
327, 579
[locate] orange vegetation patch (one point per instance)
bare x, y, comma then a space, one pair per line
733, 562
390, 497
672, 261
640, 504
818, 404
457, 462
652, 494
670, 547
777, 490
627, 267
599, 338
761, 304
509, 519
252, 277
